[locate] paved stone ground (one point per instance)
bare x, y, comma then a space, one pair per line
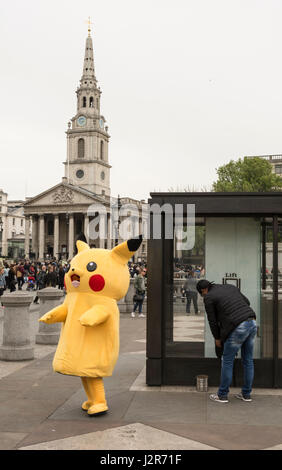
40, 409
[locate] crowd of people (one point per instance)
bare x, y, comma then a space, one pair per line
35, 275
184, 271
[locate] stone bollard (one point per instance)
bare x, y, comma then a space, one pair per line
50, 297
16, 328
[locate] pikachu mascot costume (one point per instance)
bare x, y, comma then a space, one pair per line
89, 342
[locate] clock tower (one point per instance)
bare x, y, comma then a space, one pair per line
87, 164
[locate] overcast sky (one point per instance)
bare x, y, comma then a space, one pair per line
186, 86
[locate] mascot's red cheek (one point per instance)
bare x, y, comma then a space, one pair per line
96, 282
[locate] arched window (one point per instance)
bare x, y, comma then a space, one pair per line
102, 150
80, 148
84, 102
91, 102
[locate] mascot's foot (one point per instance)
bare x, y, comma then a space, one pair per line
97, 409
86, 405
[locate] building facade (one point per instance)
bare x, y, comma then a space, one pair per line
274, 160
12, 228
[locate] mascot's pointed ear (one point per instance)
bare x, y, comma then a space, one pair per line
124, 251
81, 246
81, 243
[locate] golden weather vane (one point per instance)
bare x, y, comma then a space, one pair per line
89, 25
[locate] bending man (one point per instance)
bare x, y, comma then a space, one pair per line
233, 326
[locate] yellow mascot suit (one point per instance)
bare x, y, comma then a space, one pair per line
89, 342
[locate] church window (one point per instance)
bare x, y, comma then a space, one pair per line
91, 102
80, 148
102, 175
84, 102
102, 150
79, 174
97, 102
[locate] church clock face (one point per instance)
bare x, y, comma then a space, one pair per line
81, 121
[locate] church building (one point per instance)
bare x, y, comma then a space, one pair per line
60, 213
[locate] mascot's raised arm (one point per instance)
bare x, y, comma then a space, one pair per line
89, 342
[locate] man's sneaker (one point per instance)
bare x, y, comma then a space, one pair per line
240, 396
141, 315
215, 397
132, 314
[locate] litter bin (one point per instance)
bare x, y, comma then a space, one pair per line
202, 383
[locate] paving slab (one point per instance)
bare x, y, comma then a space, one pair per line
130, 437
39, 406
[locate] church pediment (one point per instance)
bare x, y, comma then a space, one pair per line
62, 195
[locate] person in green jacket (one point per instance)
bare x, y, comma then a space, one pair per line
139, 285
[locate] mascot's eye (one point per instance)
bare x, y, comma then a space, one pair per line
67, 268
91, 266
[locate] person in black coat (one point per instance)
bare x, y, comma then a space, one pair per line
61, 276
232, 323
51, 277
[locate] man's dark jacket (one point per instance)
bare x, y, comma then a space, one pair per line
226, 308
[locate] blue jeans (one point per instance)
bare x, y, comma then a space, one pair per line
242, 337
139, 304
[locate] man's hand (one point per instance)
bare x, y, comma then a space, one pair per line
218, 343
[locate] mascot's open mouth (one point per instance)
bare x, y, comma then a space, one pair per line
75, 280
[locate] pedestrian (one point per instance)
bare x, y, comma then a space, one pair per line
20, 275
233, 326
6, 272
40, 281
138, 298
2, 281
51, 277
190, 289
61, 276
12, 281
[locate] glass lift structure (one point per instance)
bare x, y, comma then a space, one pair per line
237, 240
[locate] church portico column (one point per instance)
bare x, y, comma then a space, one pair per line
41, 237
34, 248
71, 236
26, 241
102, 230
86, 227
56, 236
109, 231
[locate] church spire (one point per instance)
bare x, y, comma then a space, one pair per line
88, 64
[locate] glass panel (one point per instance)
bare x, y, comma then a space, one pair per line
280, 289
233, 256
185, 333
265, 325
226, 250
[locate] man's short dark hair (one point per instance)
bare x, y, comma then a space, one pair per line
203, 284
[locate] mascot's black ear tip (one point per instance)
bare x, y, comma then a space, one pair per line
81, 237
134, 243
